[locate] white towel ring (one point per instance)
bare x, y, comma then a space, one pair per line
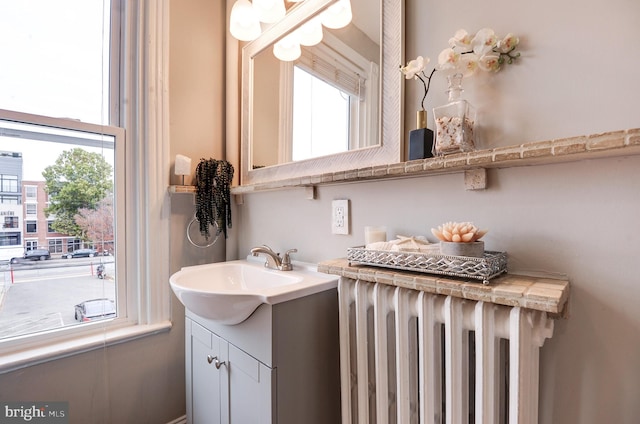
213, 233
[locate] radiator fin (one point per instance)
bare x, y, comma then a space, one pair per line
409, 356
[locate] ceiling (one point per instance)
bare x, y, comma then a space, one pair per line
367, 18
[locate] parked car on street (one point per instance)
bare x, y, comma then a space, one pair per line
95, 309
33, 255
81, 253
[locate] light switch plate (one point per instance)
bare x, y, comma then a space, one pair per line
340, 216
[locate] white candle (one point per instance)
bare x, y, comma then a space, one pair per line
374, 234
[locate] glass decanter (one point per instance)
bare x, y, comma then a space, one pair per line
455, 122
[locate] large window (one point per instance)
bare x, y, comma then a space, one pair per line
9, 183
9, 239
60, 55
9, 200
83, 161
31, 193
31, 209
31, 226
11, 222
72, 158
55, 245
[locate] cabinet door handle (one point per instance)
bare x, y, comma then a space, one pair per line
215, 360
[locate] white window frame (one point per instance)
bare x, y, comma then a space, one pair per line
30, 214
143, 114
3, 183
30, 244
55, 243
34, 190
28, 222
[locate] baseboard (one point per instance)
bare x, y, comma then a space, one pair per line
180, 420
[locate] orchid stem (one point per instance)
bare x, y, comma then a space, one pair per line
426, 84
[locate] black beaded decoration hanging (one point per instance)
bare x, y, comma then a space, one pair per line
213, 195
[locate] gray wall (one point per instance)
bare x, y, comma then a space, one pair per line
554, 220
576, 76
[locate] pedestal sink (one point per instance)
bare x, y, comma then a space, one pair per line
229, 292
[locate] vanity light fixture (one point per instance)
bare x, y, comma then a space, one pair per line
338, 15
244, 24
310, 33
269, 11
288, 48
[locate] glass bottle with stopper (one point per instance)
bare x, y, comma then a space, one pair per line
455, 122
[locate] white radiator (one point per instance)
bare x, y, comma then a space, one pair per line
407, 356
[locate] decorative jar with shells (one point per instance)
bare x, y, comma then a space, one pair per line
455, 122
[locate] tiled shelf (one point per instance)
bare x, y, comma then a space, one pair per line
176, 189
541, 294
610, 144
594, 146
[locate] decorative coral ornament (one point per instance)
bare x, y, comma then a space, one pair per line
459, 232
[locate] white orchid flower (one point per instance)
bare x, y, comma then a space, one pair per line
490, 62
508, 43
414, 67
468, 64
448, 59
483, 51
484, 41
461, 40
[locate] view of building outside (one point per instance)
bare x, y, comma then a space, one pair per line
56, 185
47, 273
28, 221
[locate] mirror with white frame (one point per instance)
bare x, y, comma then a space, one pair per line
369, 88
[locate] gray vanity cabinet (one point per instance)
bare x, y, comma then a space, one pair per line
205, 379
229, 386
280, 366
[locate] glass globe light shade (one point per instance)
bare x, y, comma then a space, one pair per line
338, 15
287, 49
310, 33
243, 22
269, 11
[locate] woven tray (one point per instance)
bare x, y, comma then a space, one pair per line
489, 266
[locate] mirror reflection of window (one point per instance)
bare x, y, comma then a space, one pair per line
324, 103
335, 102
321, 116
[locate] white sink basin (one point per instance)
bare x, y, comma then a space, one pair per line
229, 292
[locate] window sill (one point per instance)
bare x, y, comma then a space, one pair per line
34, 355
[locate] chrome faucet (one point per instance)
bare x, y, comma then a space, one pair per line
274, 260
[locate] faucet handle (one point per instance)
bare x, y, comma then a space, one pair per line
286, 255
286, 260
